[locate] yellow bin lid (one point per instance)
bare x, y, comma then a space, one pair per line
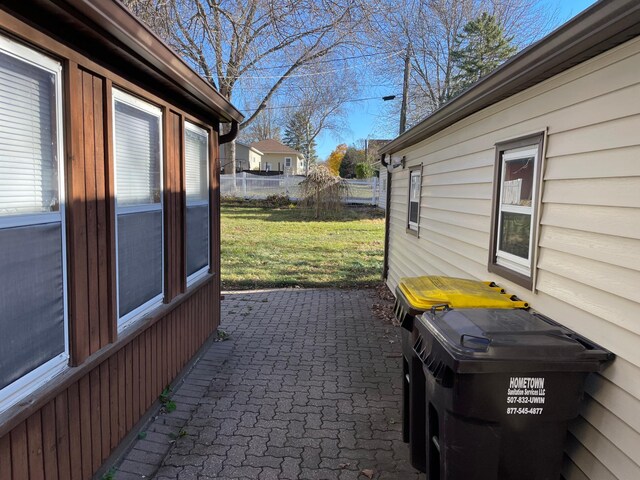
422, 293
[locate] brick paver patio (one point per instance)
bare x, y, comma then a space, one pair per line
307, 387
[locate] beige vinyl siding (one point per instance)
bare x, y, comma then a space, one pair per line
254, 160
588, 248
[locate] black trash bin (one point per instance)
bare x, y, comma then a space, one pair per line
412, 386
501, 386
415, 295
406, 315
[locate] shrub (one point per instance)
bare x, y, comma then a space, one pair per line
323, 191
364, 170
277, 200
272, 201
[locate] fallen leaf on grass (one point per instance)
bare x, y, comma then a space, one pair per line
367, 472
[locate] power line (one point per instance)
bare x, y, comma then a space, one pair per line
307, 87
313, 74
327, 60
282, 107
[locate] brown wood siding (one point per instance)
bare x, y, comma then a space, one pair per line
67, 429
91, 266
174, 204
73, 434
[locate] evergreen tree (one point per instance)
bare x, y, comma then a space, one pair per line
351, 158
480, 49
297, 136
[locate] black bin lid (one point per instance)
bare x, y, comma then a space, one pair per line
493, 335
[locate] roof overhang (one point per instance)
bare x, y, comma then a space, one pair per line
107, 33
601, 27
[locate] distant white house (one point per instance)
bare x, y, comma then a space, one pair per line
247, 157
277, 157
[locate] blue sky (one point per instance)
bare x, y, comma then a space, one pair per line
362, 115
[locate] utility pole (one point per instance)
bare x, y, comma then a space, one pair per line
308, 160
366, 150
405, 90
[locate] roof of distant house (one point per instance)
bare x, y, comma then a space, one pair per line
250, 147
274, 146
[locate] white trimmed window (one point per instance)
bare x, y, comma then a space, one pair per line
515, 209
197, 189
33, 306
287, 162
139, 215
415, 181
514, 218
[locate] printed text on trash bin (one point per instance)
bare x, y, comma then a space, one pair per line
525, 396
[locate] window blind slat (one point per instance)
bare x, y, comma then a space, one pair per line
137, 147
28, 164
195, 157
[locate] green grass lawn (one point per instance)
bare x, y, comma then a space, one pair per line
263, 248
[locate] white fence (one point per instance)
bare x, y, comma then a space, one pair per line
251, 186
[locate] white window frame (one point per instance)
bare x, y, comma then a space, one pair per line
25, 385
138, 313
506, 259
195, 276
416, 172
287, 162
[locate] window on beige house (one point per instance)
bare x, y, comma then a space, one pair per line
517, 173
415, 186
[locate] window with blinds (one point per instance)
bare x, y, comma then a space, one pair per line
138, 179
33, 311
197, 190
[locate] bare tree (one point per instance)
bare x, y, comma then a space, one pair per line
322, 104
266, 43
267, 125
425, 31
318, 97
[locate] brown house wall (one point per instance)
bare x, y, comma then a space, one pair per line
175, 257
68, 428
76, 430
